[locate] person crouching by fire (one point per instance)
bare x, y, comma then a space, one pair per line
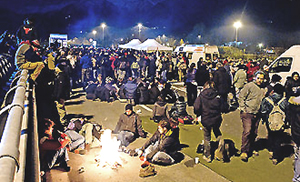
162, 147
129, 127
53, 148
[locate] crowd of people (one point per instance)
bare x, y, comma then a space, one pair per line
140, 77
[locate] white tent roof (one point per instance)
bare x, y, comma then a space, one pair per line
130, 45
152, 45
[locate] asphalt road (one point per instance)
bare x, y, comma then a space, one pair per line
259, 168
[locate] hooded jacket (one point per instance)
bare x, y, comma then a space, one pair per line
208, 105
222, 81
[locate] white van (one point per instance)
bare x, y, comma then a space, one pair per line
194, 51
287, 63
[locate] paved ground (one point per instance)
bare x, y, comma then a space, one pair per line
107, 114
257, 169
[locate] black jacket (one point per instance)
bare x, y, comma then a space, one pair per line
168, 143
208, 104
222, 81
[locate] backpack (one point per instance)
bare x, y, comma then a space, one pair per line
276, 116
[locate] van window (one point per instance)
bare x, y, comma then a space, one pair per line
190, 54
207, 56
282, 65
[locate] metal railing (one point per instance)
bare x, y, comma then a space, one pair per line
20, 136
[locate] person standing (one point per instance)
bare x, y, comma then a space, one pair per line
294, 117
222, 81
249, 103
208, 105
274, 120
191, 85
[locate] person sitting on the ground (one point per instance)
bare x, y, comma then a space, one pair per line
91, 132
130, 89
160, 110
154, 92
168, 94
53, 149
162, 146
129, 127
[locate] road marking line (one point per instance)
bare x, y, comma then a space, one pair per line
145, 107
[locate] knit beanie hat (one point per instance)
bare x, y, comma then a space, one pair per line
128, 107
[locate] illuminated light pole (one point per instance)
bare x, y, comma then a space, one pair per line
103, 25
140, 29
94, 33
237, 25
260, 45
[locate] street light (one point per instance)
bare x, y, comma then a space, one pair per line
237, 25
103, 25
140, 27
94, 32
260, 45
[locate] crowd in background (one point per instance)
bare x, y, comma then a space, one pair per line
107, 74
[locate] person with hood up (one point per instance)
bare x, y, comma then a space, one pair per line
208, 105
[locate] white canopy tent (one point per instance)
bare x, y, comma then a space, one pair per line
152, 45
130, 45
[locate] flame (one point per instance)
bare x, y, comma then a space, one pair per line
109, 155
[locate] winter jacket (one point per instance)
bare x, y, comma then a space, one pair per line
208, 105
86, 62
153, 94
291, 87
62, 86
294, 114
131, 123
160, 109
240, 79
180, 108
143, 93
202, 75
222, 81
266, 107
130, 89
167, 142
250, 98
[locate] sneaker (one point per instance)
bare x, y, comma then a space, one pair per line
275, 161
244, 157
270, 155
255, 153
207, 159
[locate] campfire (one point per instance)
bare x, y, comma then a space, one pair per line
109, 155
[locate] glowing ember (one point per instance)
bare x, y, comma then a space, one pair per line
109, 155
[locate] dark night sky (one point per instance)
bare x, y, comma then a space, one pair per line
273, 22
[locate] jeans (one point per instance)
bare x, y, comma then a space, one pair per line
56, 157
126, 137
296, 177
87, 132
207, 138
250, 127
77, 140
159, 157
